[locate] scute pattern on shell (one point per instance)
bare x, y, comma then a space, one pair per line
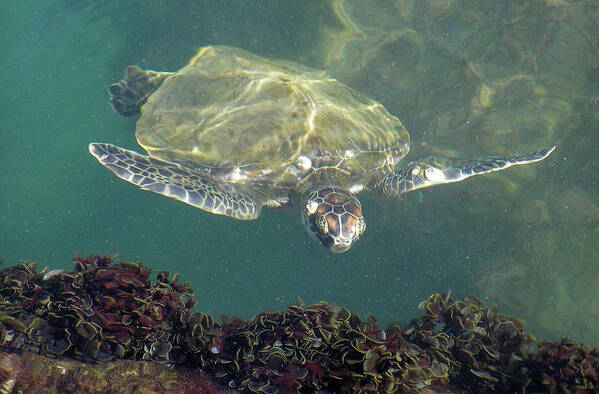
231, 109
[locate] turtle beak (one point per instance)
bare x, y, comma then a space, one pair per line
339, 248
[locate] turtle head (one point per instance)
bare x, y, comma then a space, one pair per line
333, 216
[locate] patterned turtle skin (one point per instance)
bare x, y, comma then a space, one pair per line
231, 133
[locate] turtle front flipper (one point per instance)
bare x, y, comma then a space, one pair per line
437, 171
127, 96
193, 187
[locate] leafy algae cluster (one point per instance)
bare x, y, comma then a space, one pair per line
106, 326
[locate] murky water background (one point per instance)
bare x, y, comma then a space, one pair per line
466, 79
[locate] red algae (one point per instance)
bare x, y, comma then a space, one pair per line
105, 326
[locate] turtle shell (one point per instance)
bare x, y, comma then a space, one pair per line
229, 109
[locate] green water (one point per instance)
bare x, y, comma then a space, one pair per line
526, 239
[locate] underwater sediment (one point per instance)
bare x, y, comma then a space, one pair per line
106, 327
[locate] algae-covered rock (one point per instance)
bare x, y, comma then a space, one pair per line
106, 327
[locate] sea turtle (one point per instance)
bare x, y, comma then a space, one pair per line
232, 132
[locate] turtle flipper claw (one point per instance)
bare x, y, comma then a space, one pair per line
437, 171
190, 186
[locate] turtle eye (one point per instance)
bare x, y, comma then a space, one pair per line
361, 226
322, 224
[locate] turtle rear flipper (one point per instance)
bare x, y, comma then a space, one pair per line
437, 171
193, 187
127, 96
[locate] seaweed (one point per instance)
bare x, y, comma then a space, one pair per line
107, 320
